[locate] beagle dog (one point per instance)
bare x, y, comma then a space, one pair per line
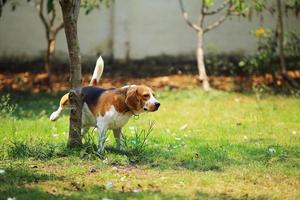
110, 108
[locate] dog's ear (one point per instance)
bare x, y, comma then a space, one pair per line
132, 100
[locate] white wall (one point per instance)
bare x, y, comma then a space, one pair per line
22, 32
157, 27
134, 28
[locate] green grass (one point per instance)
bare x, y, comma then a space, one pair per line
215, 145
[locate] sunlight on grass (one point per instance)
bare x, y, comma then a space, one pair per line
215, 145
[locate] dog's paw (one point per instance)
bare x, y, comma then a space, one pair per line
54, 116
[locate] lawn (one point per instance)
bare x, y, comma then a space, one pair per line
215, 145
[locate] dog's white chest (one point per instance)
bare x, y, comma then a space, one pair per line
113, 119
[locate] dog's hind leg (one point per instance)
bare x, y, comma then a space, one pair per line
64, 101
118, 137
84, 130
102, 129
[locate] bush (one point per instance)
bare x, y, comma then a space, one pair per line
266, 58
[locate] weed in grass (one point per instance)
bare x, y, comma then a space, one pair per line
89, 147
136, 145
7, 109
34, 149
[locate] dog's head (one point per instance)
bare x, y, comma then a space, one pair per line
140, 98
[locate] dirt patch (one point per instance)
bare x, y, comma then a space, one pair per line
40, 82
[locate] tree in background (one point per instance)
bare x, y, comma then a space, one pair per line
278, 41
50, 22
48, 18
227, 7
51, 29
70, 10
2, 2
242, 8
293, 5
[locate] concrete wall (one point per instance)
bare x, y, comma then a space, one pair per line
22, 32
134, 29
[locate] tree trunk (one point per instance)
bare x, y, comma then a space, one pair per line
51, 43
200, 62
280, 32
70, 10
1, 6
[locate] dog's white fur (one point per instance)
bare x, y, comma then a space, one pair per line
98, 71
111, 120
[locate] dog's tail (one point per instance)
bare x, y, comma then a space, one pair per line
97, 71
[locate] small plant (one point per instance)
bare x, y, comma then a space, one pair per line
33, 149
261, 91
266, 56
89, 147
6, 107
292, 46
135, 146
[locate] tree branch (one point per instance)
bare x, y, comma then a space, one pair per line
185, 16
219, 9
1, 6
53, 16
221, 19
59, 27
52, 20
201, 16
39, 6
216, 24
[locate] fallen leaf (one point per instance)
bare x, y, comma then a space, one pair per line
183, 127
92, 169
108, 185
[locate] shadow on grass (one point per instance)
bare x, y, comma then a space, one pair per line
203, 195
203, 157
13, 181
99, 192
33, 106
217, 157
21, 183
39, 150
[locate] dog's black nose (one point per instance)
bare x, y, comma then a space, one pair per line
157, 104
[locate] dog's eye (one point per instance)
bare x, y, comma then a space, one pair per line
146, 95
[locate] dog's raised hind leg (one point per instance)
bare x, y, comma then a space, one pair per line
64, 101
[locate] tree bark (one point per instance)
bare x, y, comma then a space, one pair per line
70, 10
200, 62
1, 6
51, 43
280, 32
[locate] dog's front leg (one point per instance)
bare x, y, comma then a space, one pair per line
118, 137
102, 128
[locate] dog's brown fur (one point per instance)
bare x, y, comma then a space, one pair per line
123, 99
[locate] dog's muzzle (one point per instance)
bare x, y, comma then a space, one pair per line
153, 108
157, 104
